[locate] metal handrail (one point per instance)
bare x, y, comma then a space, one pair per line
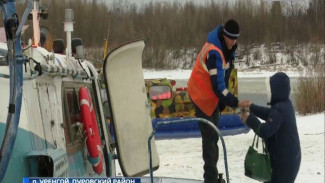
201, 120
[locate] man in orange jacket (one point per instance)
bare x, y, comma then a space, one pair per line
207, 88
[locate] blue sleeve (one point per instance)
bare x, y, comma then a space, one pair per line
217, 78
271, 125
259, 111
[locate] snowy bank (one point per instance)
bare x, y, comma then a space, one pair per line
182, 157
185, 74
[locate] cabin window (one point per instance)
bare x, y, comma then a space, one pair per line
3, 57
74, 114
160, 92
73, 126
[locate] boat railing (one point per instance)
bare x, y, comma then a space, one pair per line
187, 120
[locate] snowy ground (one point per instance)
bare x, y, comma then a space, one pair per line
185, 74
182, 157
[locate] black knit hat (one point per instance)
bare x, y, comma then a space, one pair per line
231, 29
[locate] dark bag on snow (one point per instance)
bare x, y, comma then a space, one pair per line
258, 165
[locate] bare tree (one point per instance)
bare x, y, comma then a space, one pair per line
169, 26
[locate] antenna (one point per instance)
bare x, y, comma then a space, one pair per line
36, 14
106, 42
68, 28
36, 27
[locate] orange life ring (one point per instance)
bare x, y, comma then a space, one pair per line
88, 117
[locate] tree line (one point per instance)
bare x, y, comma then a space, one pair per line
170, 26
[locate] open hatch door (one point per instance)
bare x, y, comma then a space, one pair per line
130, 111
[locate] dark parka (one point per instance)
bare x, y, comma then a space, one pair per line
279, 130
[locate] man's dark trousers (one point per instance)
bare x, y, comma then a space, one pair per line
210, 150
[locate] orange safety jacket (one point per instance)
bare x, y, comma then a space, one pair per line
199, 85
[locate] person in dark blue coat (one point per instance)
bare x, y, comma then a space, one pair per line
279, 130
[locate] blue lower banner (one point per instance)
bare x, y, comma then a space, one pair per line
81, 180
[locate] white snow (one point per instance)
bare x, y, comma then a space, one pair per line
182, 157
175, 74
185, 74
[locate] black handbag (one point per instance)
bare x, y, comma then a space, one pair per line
258, 165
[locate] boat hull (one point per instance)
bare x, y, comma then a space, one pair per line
228, 125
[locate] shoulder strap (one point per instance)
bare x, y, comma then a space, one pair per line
257, 134
263, 141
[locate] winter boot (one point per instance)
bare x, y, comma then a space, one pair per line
220, 178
